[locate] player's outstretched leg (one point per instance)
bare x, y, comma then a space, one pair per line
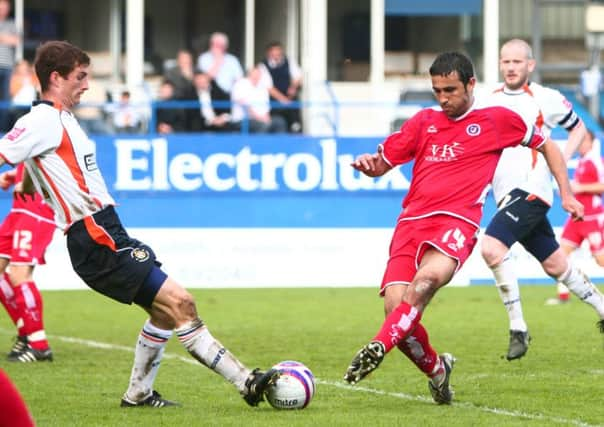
200, 343
519, 343
365, 361
439, 384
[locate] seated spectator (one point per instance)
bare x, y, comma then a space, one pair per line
251, 102
126, 117
169, 119
208, 118
91, 112
223, 68
23, 89
284, 78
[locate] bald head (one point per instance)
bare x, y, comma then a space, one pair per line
518, 45
516, 63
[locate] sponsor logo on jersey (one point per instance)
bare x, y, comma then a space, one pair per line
445, 152
473, 129
90, 162
14, 133
140, 254
432, 129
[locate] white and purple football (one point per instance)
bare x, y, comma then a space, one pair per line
295, 387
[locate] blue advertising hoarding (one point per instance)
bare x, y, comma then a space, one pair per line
251, 181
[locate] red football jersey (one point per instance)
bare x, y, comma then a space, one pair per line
590, 170
455, 159
37, 206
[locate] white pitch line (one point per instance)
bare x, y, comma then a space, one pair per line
404, 396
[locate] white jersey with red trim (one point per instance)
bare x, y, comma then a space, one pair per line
61, 160
537, 105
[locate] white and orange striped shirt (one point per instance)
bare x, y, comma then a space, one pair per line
525, 169
61, 160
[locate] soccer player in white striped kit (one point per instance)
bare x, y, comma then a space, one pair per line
61, 164
522, 187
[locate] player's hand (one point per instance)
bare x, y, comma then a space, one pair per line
5, 182
573, 207
368, 163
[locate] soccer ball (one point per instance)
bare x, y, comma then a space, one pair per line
295, 387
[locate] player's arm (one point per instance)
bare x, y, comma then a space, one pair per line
590, 187
372, 164
575, 137
557, 165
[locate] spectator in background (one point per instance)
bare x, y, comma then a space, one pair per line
23, 89
9, 39
283, 77
169, 119
181, 77
126, 117
92, 113
223, 68
251, 102
207, 117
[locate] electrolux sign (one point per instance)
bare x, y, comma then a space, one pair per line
237, 164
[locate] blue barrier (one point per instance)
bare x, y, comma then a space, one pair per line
250, 181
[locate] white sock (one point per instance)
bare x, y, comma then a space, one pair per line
509, 291
580, 285
562, 290
198, 341
147, 357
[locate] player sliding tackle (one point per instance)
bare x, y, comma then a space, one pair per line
456, 149
61, 161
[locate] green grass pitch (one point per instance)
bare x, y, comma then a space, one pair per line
559, 382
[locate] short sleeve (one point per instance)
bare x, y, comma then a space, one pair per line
512, 130
401, 146
30, 137
558, 111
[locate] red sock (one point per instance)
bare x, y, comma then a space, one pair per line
418, 349
29, 304
7, 298
397, 325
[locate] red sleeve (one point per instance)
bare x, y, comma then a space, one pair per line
513, 130
400, 147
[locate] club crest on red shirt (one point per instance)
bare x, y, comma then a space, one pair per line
473, 129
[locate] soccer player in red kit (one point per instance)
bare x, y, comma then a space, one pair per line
588, 186
456, 149
24, 236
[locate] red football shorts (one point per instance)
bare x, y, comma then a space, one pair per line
452, 236
590, 229
24, 238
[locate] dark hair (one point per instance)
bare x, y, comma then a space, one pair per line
273, 44
448, 62
59, 56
